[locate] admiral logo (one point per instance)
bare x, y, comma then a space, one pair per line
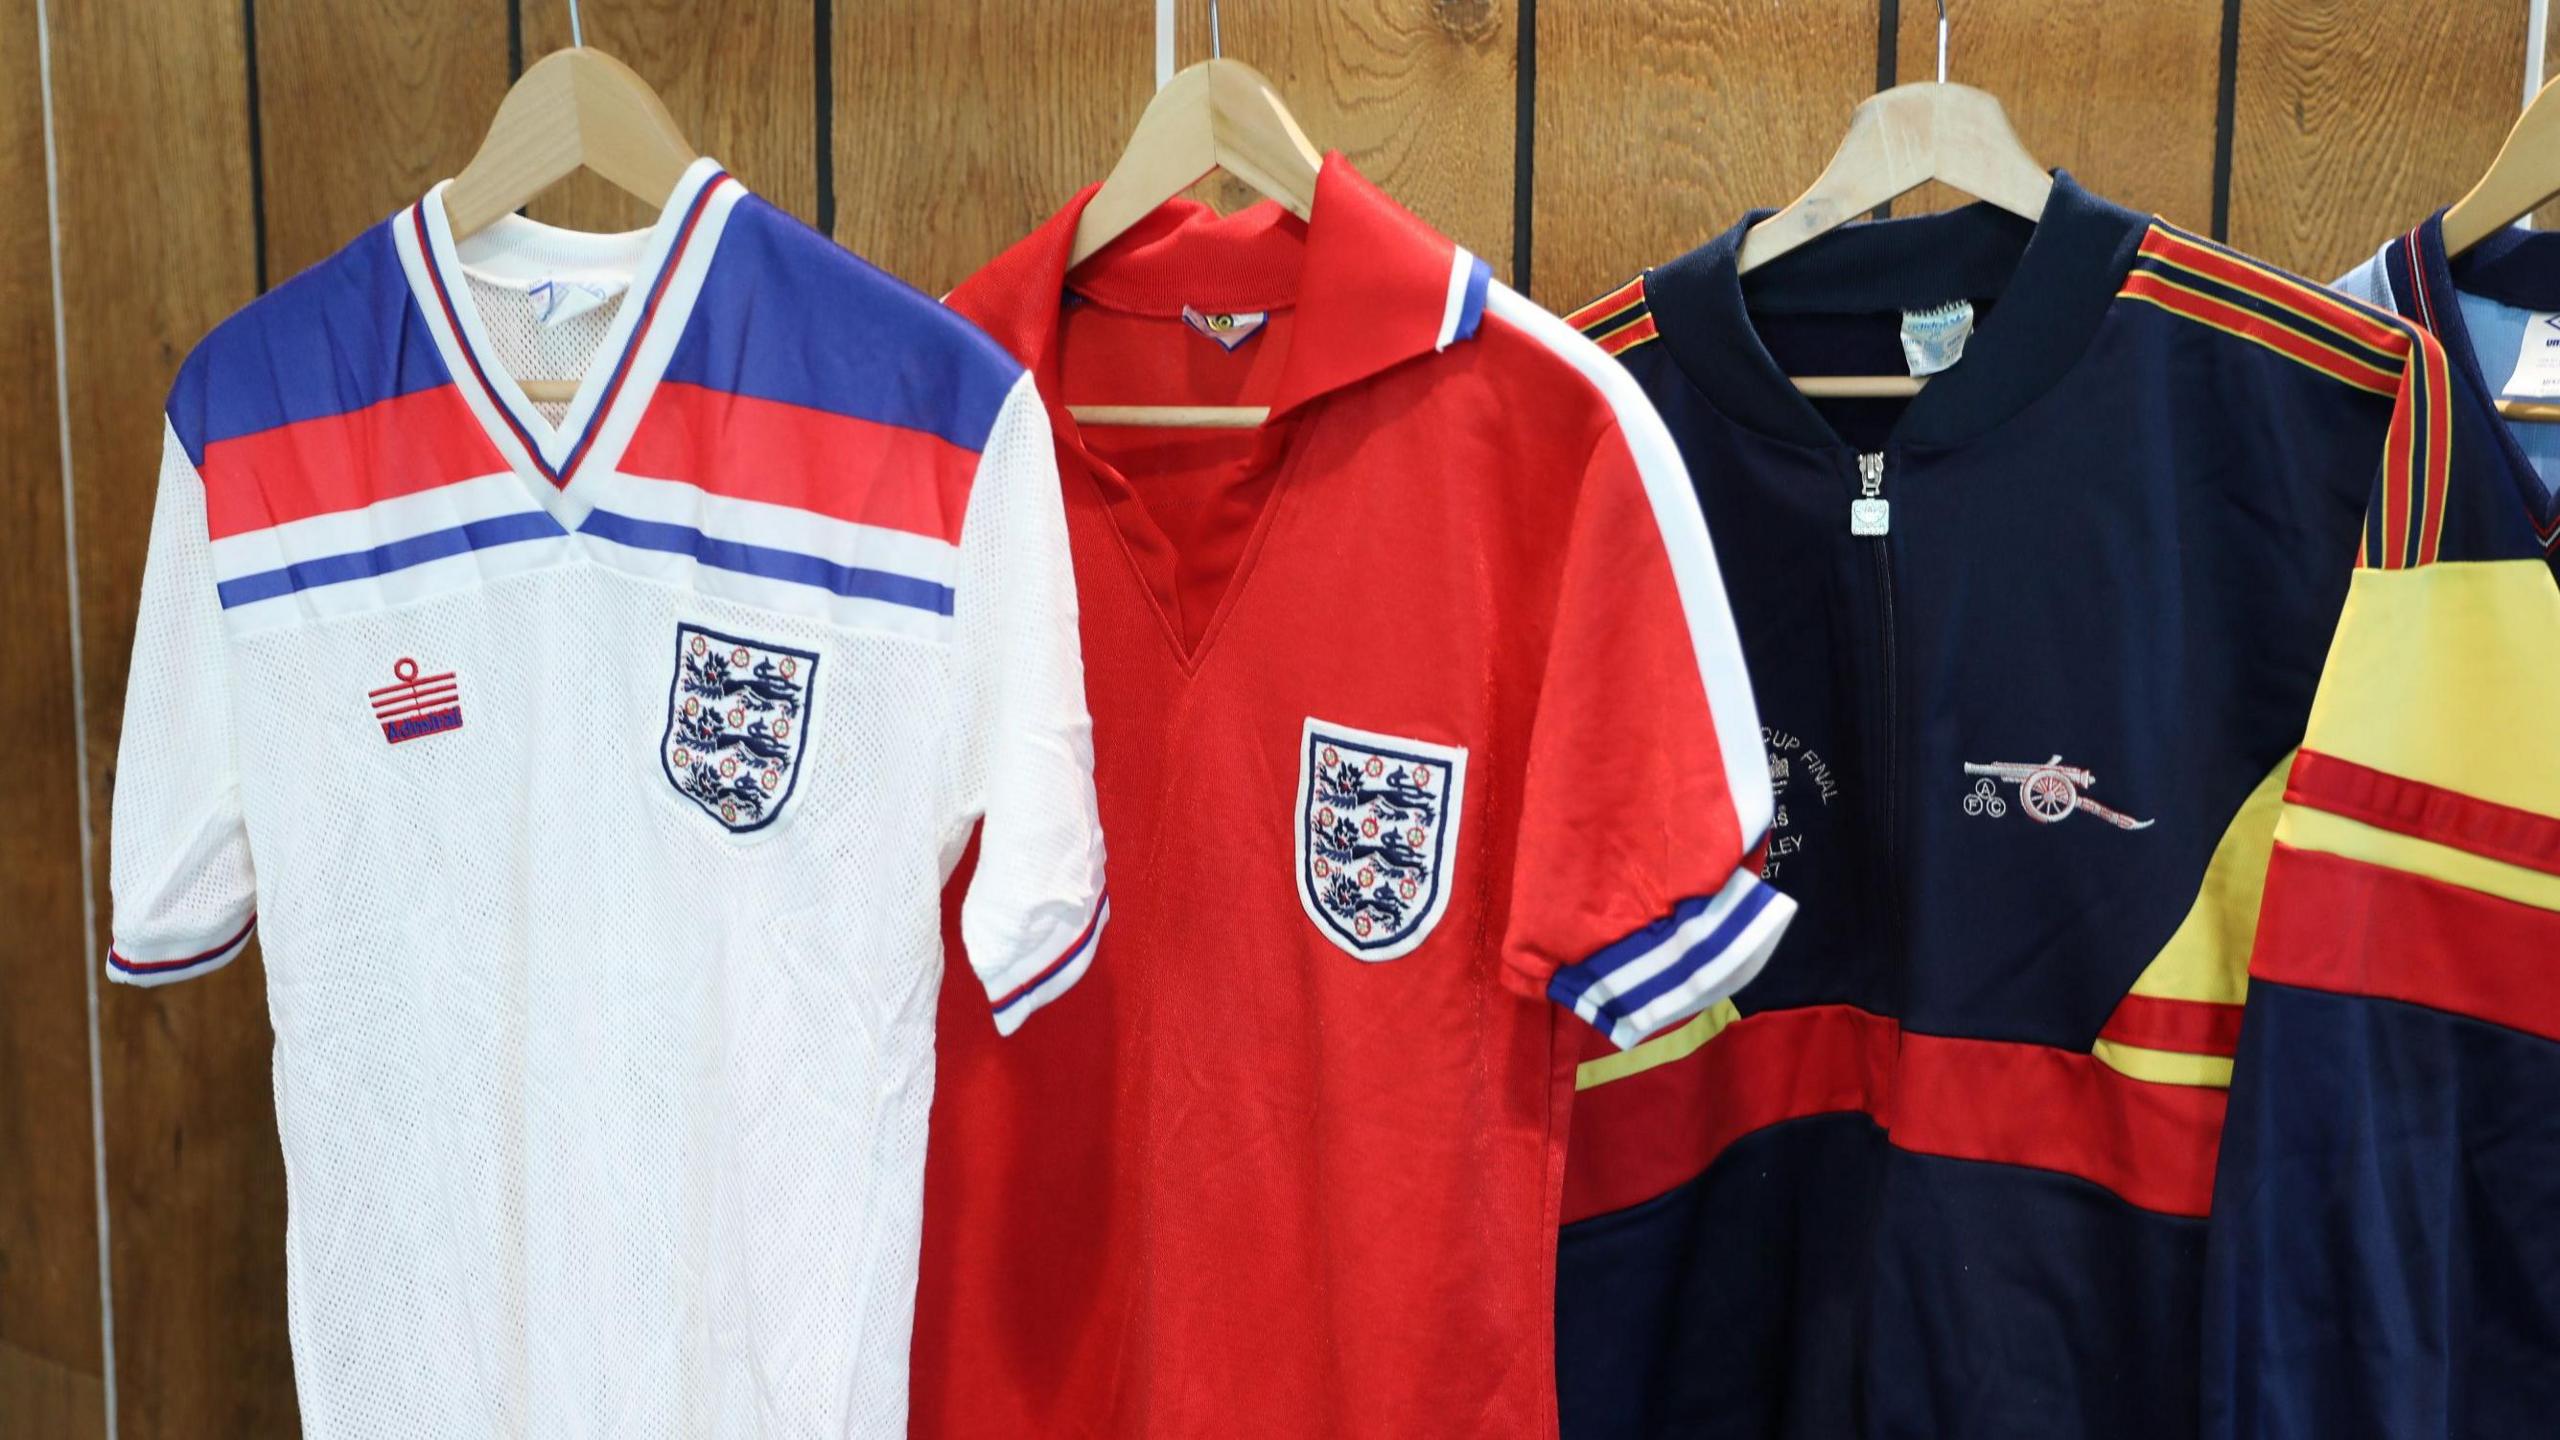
414, 706
737, 725
1377, 833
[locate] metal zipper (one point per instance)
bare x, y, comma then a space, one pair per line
1871, 513
1871, 517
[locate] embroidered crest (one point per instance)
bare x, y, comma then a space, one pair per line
1377, 833
2048, 792
737, 723
414, 705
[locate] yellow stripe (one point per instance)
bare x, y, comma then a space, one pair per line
2207, 957
1606, 349
1662, 1049
2291, 284
2165, 1067
2307, 829
2390, 385
2479, 642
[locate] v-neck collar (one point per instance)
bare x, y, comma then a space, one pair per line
1373, 288
667, 262
2054, 278
2512, 267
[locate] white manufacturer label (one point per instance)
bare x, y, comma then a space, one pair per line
1230, 328
1933, 339
2537, 359
557, 302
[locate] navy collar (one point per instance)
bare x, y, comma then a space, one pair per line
2054, 280
2511, 267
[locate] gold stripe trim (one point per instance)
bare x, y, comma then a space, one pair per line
2165, 1067
1662, 1049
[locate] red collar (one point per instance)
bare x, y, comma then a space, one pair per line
1372, 285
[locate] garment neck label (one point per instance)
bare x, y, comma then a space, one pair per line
1933, 339
1230, 328
557, 302
2538, 358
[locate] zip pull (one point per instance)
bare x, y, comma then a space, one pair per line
1870, 513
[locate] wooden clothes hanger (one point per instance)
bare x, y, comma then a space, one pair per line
1220, 114
574, 109
1899, 140
2525, 174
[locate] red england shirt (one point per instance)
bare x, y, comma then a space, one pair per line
1420, 729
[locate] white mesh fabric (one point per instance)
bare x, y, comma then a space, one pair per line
527, 348
1026, 756
181, 873
600, 1120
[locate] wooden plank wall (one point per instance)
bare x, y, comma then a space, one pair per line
205, 149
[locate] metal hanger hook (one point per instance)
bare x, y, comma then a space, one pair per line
578, 34
1942, 39
1217, 51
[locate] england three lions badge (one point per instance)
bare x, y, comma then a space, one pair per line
737, 725
1377, 830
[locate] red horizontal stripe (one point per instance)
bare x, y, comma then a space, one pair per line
834, 465
423, 692
1065, 955
2343, 926
121, 962
2064, 1111
1622, 340
1607, 305
2336, 313
420, 682
2425, 812
2034, 1106
2258, 327
393, 447
440, 702
2191, 1027
1653, 1131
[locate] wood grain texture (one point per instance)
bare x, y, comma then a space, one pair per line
962, 124
2354, 118
2122, 96
1418, 94
1660, 124
740, 76
50, 1357
151, 118
43, 1400
358, 115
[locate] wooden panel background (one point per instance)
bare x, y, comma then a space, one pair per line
204, 149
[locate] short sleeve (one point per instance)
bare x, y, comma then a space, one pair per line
1036, 904
185, 893
1637, 901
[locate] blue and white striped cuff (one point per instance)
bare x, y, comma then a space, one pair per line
1708, 947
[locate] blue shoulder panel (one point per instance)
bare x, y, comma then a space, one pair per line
788, 315
336, 338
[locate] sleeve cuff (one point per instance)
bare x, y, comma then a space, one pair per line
1025, 986
162, 964
1707, 948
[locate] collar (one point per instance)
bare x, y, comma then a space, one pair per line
1372, 285
2515, 267
2054, 277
